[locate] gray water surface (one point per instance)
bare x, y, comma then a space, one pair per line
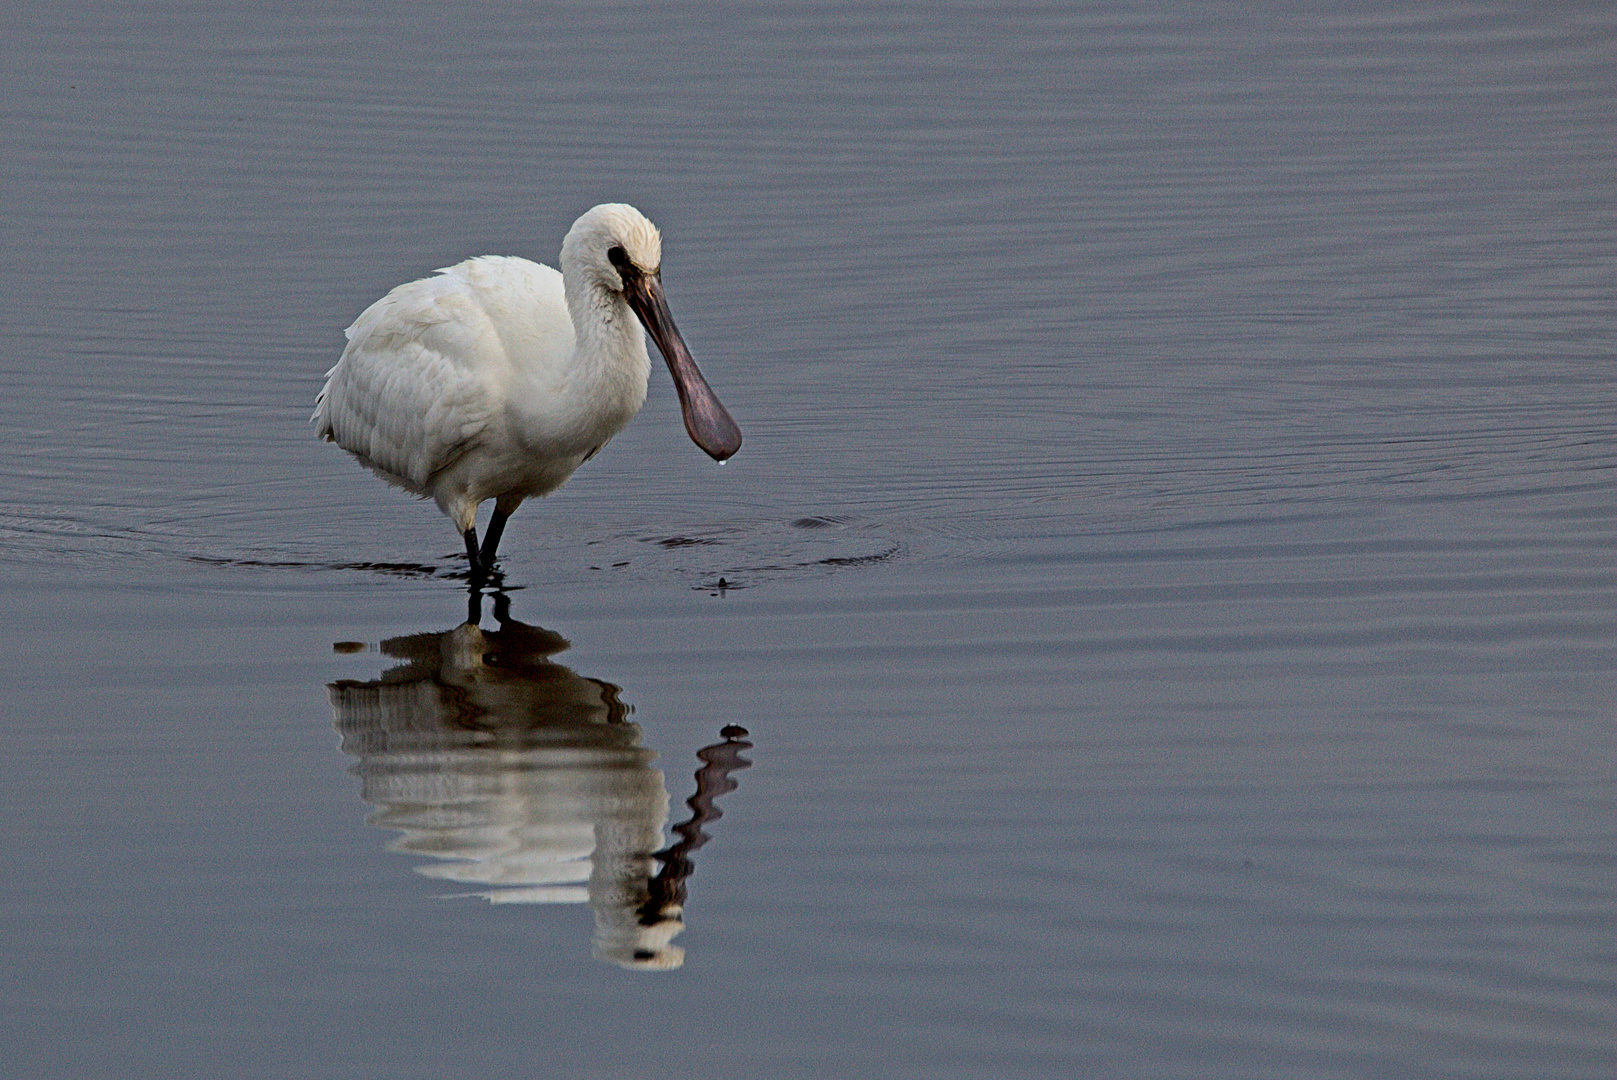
1167, 587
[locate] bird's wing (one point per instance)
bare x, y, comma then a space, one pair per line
411, 392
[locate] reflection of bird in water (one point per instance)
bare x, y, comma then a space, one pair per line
666, 899
528, 779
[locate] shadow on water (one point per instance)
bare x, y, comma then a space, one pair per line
526, 779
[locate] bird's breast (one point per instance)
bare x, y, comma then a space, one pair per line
572, 413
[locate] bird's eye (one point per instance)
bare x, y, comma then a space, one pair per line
618, 258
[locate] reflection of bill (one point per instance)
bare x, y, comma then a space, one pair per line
528, 780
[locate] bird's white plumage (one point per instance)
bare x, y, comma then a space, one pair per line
497, 377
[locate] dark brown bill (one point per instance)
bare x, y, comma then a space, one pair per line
710, 426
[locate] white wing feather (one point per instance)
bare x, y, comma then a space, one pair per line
415, 387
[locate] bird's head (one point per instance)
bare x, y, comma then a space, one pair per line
613, 243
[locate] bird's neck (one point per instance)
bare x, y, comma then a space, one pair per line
607, 339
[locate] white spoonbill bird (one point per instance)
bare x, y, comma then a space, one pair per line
498, 377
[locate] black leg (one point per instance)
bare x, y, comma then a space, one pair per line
491, 537
471, 554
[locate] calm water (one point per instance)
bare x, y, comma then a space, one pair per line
1167, 588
